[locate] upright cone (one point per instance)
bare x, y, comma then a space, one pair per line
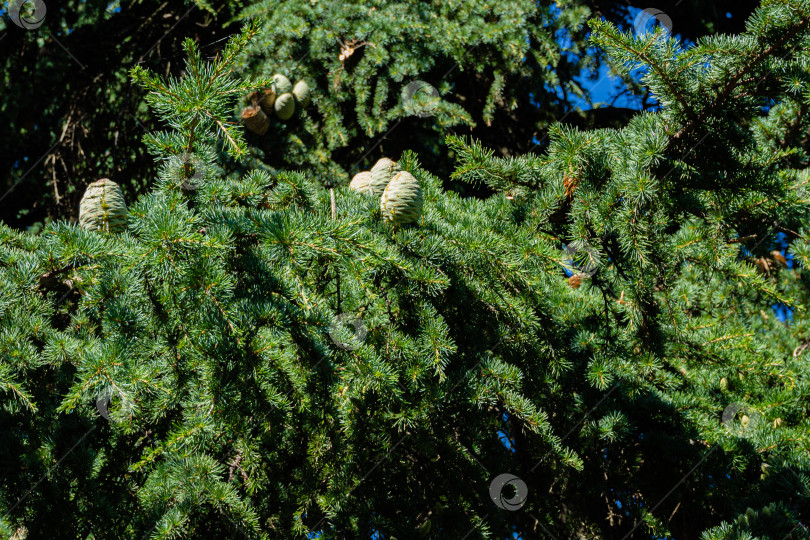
103, 207
285, 106
401, 201
360, 182
301, 93
281, 84
381, 173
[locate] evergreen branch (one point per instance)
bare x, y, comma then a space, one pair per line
607, 33
234, 145
720, 100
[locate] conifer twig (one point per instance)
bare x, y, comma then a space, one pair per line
725, 93
334, 216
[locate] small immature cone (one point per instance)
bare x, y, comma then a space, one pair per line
751, 514
255, 119
267, 98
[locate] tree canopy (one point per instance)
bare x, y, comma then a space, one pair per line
616, 319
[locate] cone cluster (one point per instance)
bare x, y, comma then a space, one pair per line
399, 191
103, 207
751, 516
281, 100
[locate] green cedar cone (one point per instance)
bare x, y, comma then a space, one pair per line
281, 84
381, 173
301, 93
103, 207
285, 106
360, 182
401, 201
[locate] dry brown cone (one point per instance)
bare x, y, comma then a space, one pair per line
762, 265
255, 119
570, 181
266, 100
777, 256
575, 281
347, 49
253, 97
